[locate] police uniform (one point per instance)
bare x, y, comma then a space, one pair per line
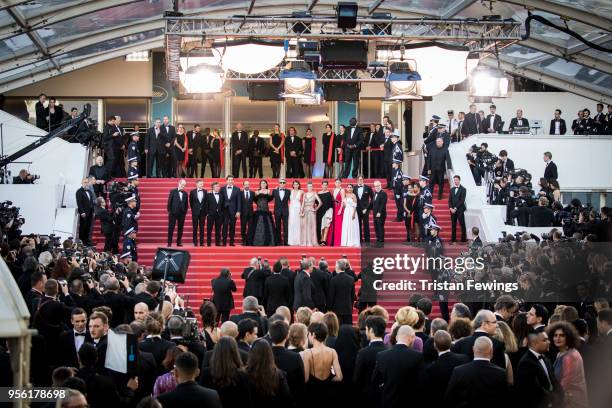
129, 246
425, 196
132, 171
130, 218
132, 153
134, 190
427, 221
398, 191
435, 250
398, 154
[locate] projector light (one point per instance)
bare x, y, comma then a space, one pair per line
401, 82
251, 57
299, 81
489, 82
203, 78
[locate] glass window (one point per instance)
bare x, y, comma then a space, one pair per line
369, 111
130, 109
208, 113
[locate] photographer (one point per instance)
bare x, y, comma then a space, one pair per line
181, 331
541, 215
10, 222
254, 278
25, 177
518, 206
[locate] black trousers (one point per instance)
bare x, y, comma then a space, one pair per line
377, 164
198, 226
293, 167
84, 227
399, 203
108, 241
255, 166
211, 163
284, 220
213, 220
275, 163
437, 177
365, 159
245, 228
364, 224
345, 318
352, 159
458, 215
237, 160
156, 159
388, 172
223, 316
229, 222
379, 228
173, 219
192, 167
169, 164
118, 170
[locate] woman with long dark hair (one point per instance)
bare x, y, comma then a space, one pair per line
268, 385
208, 313
262, 228
277, 150
347, 347
225, 375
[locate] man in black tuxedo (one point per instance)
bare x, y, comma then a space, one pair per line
471, 123
117, 301
352, 149
379, 211
187, 393
155, 150
366, 361
222, 288
507, 164
232, 205
254, 311
320, 278
254, 277
486, 325
290, 275
364, 204
493, 122
438, 161
169, 135
535, 380
456, 204
239, 145
518, 122
342, 294
98, 329
293, 152
537, 317
154, 343
478, 383
387, 147
398, 372
599, 120
178, 203
281, 212
71, 340
197, 202
246, 212
196, 143
438, 373
376, 146
85, 205
550, 171
291, 363
277, 291
109, 134
557, 125
214, 213
42, 112
256, 152
302, 285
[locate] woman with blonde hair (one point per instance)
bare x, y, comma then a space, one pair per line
405, 316
504, 334
297, 340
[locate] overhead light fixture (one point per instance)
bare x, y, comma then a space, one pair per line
471, 62
299, 81
251, 56
203, 78
346, 12
489, 82
440, 65
402, 81
199, 57
137, 56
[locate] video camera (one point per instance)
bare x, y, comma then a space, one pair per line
88, 134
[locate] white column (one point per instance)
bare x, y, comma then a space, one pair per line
227, 131
281, 118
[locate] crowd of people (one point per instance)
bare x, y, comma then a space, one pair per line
301, 347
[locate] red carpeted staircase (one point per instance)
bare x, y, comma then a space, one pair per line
207, 261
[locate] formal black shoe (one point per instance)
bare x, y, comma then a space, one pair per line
179, 245
398, 220
208, 244
169, 245
232, 244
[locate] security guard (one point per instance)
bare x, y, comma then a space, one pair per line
132, 153
405, 191
132, 169
129, 244
133, 188
425, 196
397, 153
436, 269
398, 188
434, 243
427, 220
130, 215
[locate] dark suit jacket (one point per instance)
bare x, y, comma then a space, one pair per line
146, 298
254, 281
341, 294
509, 165
290, 275
67, 352
101, 390
541, 217
262, 322
362, 374
533, 385
476, 384
277, 292
514, 123
281, 207
320, 286
295, 146
233, 203
212, 208
154, 144
176, 206
550, 172
222, 293
190, 395
398, 372
562, 127
85, 203
456, 198
438, 374
198, 209
465, 345
366, 197
120, 304
158, 347
379, 204
497, 123
471, 124
293, 366
257, 147
439, 159
246, 209
302, 293
239, 142
169, 135
355, 142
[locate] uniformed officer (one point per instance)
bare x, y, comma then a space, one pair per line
434, 243
132, 153
427, 220
397, 153
129, 244
430, 139
132, 169
405, 191
425, 196
130, 215
398, 188
442, 132
436, 268
133, 188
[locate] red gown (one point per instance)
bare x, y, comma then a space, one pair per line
334, 234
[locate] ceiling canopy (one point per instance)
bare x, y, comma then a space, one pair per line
44, 38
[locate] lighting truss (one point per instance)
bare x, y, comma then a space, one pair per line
326, 75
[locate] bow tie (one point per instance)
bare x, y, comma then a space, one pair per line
216, 193
540, 357
79, 334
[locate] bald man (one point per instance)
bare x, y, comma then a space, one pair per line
141, 311
398, 372
438, 373
485, 323
479, 383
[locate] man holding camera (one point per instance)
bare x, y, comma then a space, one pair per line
85, 204
254, 278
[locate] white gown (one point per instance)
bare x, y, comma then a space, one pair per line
295, 204
350, 226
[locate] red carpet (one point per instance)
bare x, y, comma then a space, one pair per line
207, 261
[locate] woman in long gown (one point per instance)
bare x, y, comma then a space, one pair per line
180, 151
262, 227
277, 142
350, 221
325, 212
309, 143
310, 204
295, 208
334, 235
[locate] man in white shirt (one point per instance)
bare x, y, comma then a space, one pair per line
452, 124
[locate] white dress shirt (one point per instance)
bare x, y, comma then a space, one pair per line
78, 340
543, 364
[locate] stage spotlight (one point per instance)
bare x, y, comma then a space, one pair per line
346, 12
299, 81
203, 78
492, 82
401, 82
472, 62
251, 56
